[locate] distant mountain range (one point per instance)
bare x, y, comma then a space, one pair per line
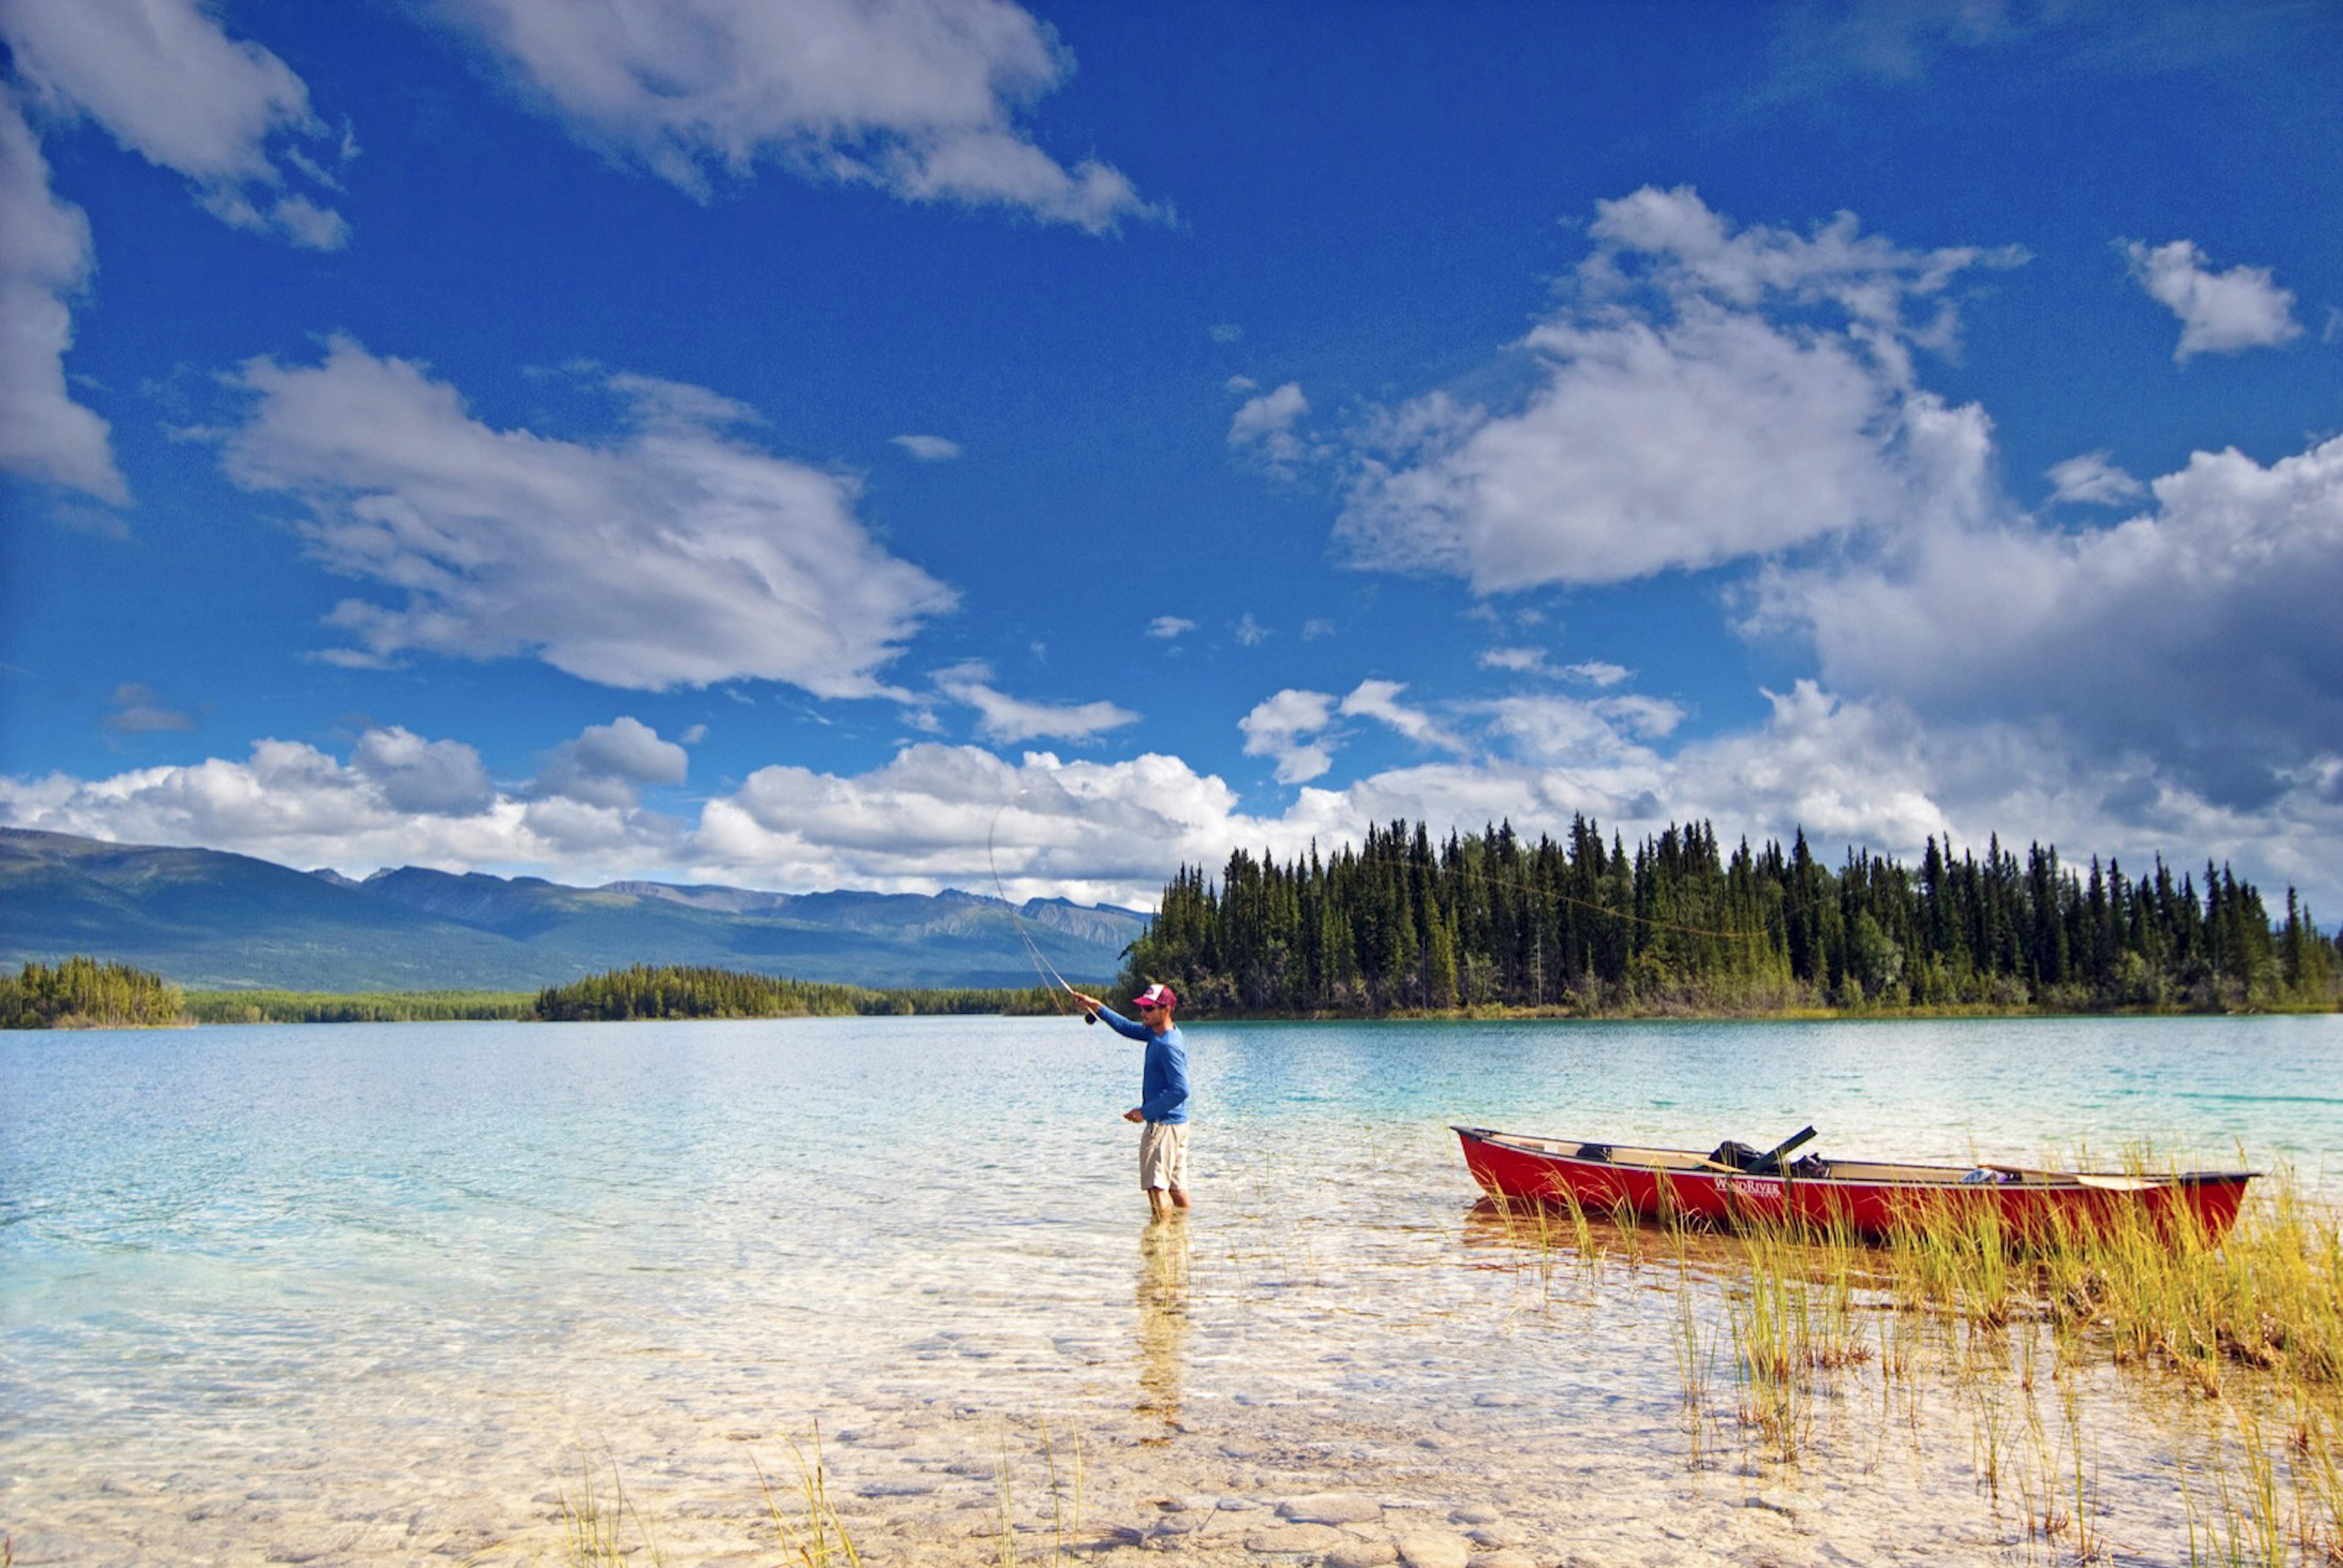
210, 920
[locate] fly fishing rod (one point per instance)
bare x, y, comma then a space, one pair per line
1042, 967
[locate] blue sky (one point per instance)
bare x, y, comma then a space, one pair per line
797, 445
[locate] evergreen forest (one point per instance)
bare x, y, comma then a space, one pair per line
83, 994
676, 991
1407, 924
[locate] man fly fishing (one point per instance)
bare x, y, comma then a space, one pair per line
1163, 1108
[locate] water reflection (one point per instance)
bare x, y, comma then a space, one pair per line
1162, 1297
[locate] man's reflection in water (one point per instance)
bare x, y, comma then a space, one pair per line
1163, 1316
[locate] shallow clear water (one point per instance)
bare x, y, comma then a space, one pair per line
368, 1292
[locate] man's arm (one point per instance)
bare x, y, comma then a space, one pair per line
1129, 1028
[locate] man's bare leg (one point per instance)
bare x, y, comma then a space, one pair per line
1179, 1196
1155, 1201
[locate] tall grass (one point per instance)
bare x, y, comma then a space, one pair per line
811, 1531
1792, 1316
2250, 1324
593, 1523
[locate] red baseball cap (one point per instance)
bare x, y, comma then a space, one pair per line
1157, 995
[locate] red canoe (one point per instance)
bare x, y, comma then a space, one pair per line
1863, 1196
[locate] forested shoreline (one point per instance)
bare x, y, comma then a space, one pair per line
84, 993
1496, 921
644, 991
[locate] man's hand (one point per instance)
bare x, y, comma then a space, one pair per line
1133, 1115
1090, 1004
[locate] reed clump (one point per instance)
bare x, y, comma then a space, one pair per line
593, 1522
2251, 1322
2154, 1289
811, 1531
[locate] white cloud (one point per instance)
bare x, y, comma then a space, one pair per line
399, 801
1287, 727
669, 556
608, 764
916, 98
1296, 726
1849, 771
2197, 639
2093, 479
928, 448
1170, 626
1263, 428
1708, 394
1379, 700
1597, 672
44, 262
1516, 660
940, 816
168, 85
1008, 719
2219, 312
427, 777
1251, 633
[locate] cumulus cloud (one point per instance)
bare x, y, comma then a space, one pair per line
399, 799
2197, 639
1289, 728
1295, 728
170, 85
609, 764
918, 99
928, 448
2093, 479
429, 777
45, 264
1011, 720
1264, 428
942, 816
1707, 394
1168, 627
1848, 770
669, 555
2219, 312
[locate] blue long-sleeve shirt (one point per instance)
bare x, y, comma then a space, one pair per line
1163, 1082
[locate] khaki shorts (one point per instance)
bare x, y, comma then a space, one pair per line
1163, 1155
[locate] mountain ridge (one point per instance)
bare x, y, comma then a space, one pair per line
213, 920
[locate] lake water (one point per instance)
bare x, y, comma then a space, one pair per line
402, 1293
